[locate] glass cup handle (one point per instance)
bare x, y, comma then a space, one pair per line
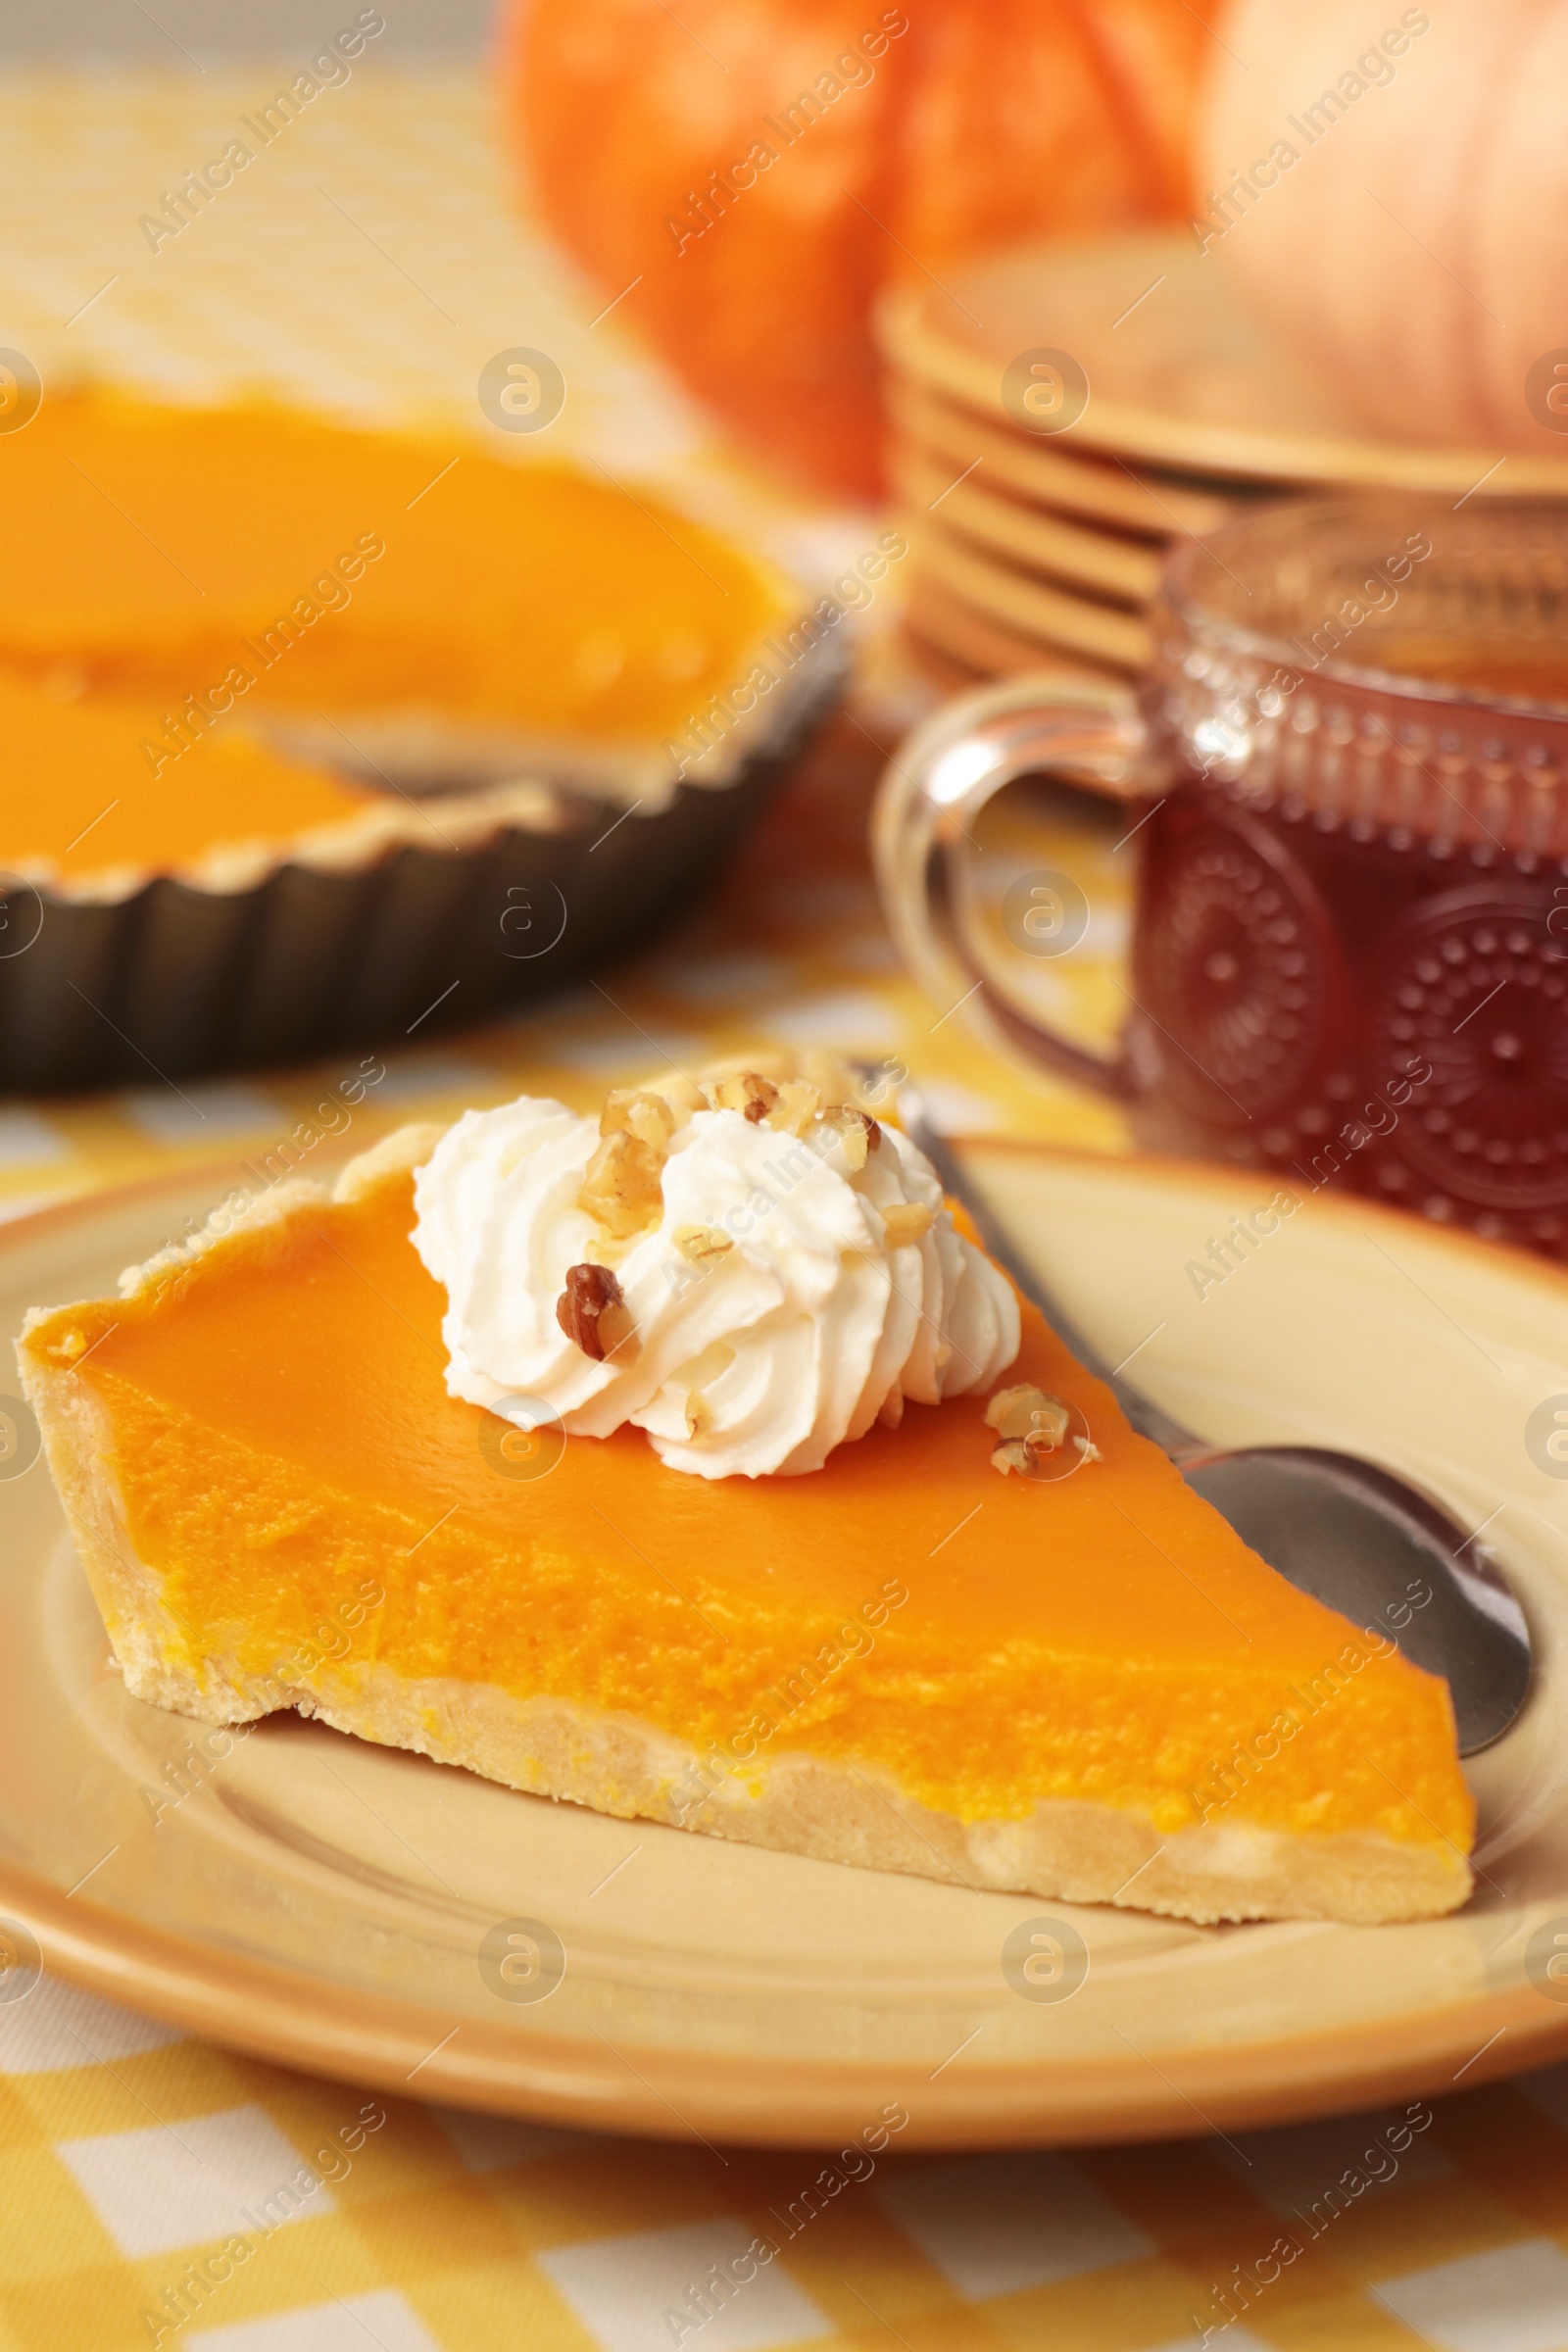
1087, 731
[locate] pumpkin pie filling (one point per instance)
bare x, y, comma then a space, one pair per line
268, 1477
260, 560
83, 816
78, 799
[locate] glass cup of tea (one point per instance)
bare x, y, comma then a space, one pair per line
1342, 784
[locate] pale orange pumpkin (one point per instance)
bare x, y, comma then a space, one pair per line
1408, 231
754, 171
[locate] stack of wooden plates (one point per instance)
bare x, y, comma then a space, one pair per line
1060, 413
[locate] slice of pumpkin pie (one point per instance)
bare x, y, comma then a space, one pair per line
706, 1472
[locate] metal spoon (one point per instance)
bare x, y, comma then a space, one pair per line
1355, 1537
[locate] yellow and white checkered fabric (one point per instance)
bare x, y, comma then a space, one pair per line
155, 2191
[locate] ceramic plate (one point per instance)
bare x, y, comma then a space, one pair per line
326, 1903
1179, 372
1098, 490
1057, 619
1106, 563
939, 621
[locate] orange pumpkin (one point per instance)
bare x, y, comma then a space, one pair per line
748, 174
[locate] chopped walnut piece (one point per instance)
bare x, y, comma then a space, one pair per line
857, 1133
905, 1221
744, 1091
697, 1244
622, 1188
1027, 1413
835, 1081
633, 1111
799, 1104
699, 1415
1030, 1426
592, 1312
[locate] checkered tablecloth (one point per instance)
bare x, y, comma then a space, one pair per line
155, 2192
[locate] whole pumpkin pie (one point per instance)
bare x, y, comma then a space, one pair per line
692, 1464
414, 731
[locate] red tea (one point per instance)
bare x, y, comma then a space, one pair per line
1351, 938
1357, 1003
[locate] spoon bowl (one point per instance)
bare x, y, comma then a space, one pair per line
1389, 1559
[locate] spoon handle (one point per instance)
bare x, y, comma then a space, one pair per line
1148, 1418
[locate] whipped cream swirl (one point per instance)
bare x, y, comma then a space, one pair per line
802, 1320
